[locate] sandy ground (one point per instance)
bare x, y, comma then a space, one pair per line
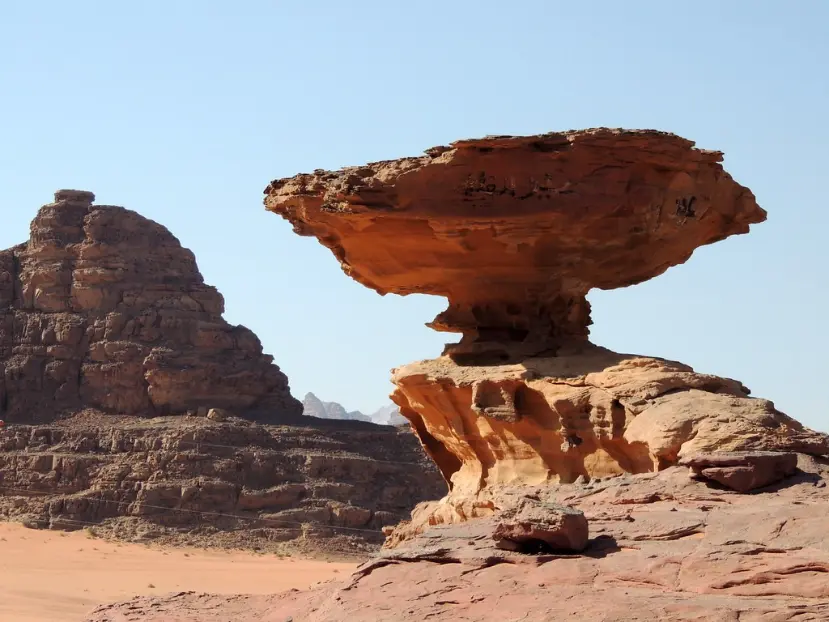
48, 576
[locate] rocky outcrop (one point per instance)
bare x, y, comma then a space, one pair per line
515, 231
122, 388
315, 407
103, 308
588, 413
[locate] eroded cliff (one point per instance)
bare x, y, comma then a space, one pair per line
326, 486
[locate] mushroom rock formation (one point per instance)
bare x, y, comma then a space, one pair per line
514, 232
103, 308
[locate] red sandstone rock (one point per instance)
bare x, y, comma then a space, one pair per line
532, 526
103, 308
515, 231
663, 547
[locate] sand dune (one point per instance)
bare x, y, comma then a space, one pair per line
48, 576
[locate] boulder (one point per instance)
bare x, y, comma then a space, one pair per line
534, 526
218, 414
742, 471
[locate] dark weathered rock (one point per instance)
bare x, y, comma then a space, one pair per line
103, 308
742, 471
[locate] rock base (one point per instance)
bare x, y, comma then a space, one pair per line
662, 546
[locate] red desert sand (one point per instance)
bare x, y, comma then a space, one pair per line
49, 576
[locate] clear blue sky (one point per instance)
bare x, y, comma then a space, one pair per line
185, 109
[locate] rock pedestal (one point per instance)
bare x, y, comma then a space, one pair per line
514, 232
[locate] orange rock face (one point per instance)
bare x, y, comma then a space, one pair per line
515, 232
104, 308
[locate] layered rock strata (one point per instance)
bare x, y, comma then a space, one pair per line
588, 413
324, 486
103, 308
515, 231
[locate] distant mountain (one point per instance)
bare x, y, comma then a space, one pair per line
388, 415
315, 407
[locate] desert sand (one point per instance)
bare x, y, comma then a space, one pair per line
48, 576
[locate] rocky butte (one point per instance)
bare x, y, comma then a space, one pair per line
131, 405
105, 309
